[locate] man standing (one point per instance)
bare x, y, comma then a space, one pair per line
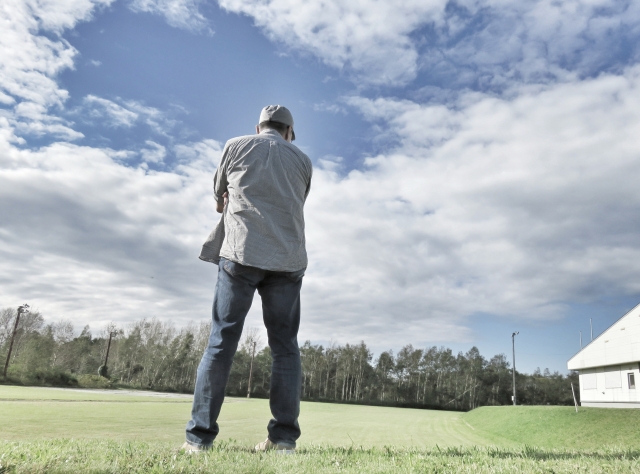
260, 186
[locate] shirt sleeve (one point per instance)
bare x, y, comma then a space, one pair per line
306, 193
220, 182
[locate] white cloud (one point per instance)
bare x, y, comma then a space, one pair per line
31, 118
468, 42
331, 163
84, 236
154, 118
124, 113
114, 114
205, 153
91, 240
331, 108
29, 60
178, 13
6, 99
154, 153
512, 206
515, 207
496, 43
368, 37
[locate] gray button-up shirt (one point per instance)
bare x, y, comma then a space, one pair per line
268, 180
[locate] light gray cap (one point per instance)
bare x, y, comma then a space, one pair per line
277, 113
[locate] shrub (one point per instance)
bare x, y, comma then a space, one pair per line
54, 377
48, 377
93, 381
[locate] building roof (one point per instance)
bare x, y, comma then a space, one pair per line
620, 344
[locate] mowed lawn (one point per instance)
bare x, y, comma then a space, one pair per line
30, 413
69, 431
559, 427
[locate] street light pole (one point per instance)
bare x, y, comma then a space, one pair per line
21, 310
253, 354
513, 346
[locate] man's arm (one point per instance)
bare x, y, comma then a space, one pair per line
222, 202
306, 193
220, 182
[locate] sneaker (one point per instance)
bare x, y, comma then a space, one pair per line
268, 445
192, 448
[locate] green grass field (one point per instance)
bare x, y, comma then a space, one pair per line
87, 414
559, 427
55, 430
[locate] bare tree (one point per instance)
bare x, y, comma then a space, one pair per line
7, 317
63, 331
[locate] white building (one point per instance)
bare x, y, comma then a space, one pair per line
609, 365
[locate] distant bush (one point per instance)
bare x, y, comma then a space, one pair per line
93, 381
11, 379
57, 378
41, 376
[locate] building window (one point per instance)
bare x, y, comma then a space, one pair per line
632, 381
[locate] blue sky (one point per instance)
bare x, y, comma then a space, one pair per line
208, 81
475, 162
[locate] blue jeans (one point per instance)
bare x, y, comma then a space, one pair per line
280, 293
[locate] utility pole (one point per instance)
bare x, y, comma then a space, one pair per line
253, 353
580, 340
106, 356
102, 371
21, 310
591, 326
513, 345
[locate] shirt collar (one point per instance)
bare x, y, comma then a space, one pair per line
269, 131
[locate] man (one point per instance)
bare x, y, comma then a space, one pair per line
260, 187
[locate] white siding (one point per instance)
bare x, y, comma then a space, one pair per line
612, 378
609, 386
606, 362
589, 381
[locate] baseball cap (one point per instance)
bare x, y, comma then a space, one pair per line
277, 113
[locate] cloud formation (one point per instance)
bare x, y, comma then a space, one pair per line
367, 37
472, 43
178, 13
509, 206
121, 113
516, 199
31, 60
114, 115
77, 222
153, 153
83, 234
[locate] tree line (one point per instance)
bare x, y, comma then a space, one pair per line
153, 354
